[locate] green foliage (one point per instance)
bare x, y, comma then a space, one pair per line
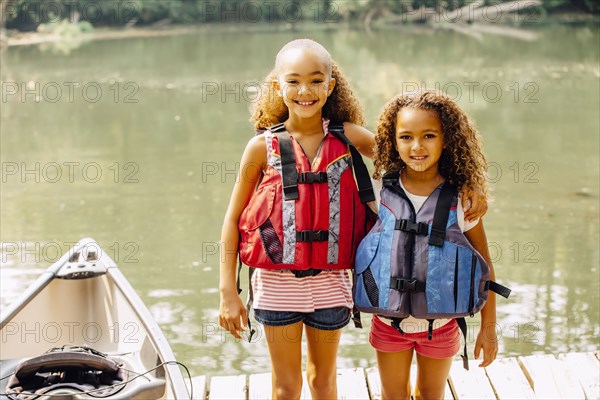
28, 14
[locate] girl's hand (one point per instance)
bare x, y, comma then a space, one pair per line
488, 341
477, 201
232, 315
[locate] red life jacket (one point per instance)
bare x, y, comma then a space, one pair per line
303, 218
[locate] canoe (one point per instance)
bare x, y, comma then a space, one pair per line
81, 332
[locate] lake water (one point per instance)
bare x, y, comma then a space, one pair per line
135, 143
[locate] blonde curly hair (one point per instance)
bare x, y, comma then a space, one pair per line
341, 105
462, 162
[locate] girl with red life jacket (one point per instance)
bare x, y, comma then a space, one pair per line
297, 215
426, 142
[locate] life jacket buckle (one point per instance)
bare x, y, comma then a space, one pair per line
408, 285
312, 236
307, 272
409, 226
312, 177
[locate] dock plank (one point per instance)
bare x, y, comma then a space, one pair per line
199, 385
508, 380
227, 387
351, 384
472, 384
588, 372
374, 383
550, 378
259, 386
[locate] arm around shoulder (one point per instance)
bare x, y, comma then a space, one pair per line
361, 138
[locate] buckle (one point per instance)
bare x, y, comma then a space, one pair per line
312, 236
409, 226
407, 285
307, 272
312, 177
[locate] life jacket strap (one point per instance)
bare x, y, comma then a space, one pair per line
363, 179
409, 226
312, 236
430, 329
312, 177
396, 325
356, 317
250, 295
440, 216
306, 272
289, 172
498, 288
462, 324
407, 285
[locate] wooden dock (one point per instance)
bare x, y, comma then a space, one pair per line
566, 376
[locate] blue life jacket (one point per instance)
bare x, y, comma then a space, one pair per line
420, 263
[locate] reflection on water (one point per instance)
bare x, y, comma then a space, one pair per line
147, 168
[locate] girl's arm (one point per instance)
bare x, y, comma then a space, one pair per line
478, 202
486, 339
361, 138
232, 312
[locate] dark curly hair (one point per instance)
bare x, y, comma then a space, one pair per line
462, 162
341, 105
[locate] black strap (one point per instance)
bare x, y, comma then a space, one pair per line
356, 317
462, 324
312, 177
312, 236
390, 179
408, 226
440, 217
289, 171
396, 325
250, 294
249, 303
306, 272
430, 329
407, 285
237, 279
365, 188
498, 288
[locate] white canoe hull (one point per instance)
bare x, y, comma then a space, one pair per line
102, 312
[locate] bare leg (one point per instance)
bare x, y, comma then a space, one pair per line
286, 360
432, 376
394, 371
321, 368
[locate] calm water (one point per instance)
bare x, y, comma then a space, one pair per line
135, 143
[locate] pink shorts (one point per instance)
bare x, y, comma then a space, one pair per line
445, 342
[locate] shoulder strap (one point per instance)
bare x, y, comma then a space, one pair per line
440, 216
289, 172
462, 324
365, 188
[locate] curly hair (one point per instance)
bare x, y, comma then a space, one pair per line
341, 105
462, 162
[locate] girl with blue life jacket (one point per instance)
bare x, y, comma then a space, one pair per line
297, 215
424, 264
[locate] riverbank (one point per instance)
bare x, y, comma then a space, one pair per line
10, 38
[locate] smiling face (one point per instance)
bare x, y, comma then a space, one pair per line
419, 139
304, 81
